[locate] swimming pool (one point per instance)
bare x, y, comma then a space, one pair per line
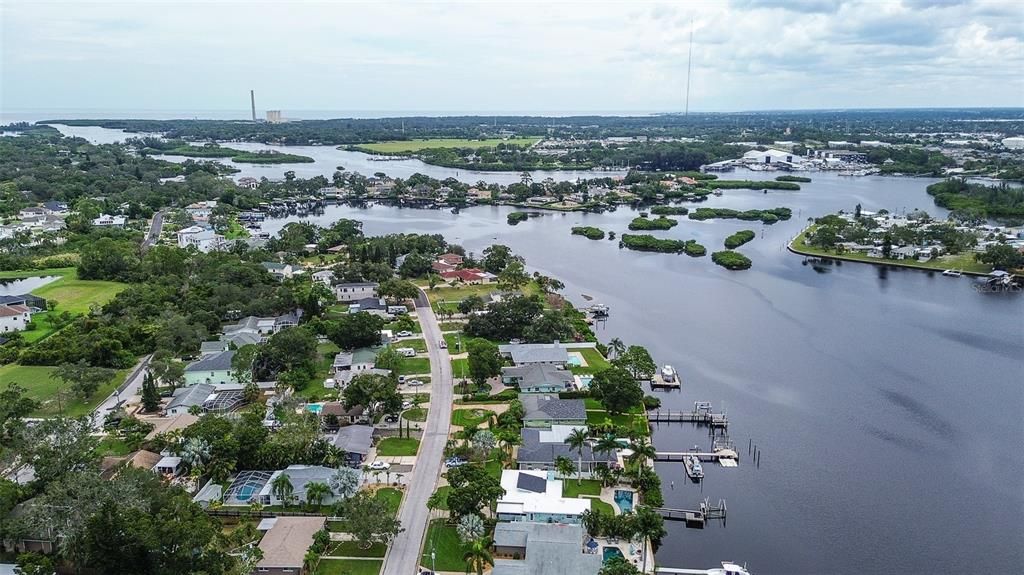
585, 381
609, 553
245, 493
314, 408
574, 360
624, 499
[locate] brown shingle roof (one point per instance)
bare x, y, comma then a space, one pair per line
286, 543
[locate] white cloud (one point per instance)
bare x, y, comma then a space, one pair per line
543, 56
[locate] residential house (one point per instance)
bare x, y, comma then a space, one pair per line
262, 327
355, 441
356, 361
168, 466
530, 353
346, 416
185, 398
325, 277
108, 221
538, 378
169, 424
537, 496
355, 291
202, 238
541, 447
247, 182
451, 259
300, 476
341, 379
545, 411
14, 317
468, 275
214, 369
55, 207
530, 548
282, 271
441, 267
201, 211
285, 545
373, 305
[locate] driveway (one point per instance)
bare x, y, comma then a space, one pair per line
130, 387
404, 556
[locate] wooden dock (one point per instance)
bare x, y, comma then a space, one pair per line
659, 381
703, 456
695, 518
698, 417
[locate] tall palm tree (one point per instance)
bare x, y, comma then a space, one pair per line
577, 440
607, 444
649, 527
617, 347
282, 488
564, 466
643, 450
316, 492
479, 556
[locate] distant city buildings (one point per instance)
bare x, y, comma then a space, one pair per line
274, 116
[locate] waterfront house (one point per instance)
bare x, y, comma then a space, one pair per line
214, 369
541, 447
441, 267
14, 317
545, 411
286, 543
247, 182
355, 442
355, 291
529, 353
468, 275
202, 238
532, 548
537, 496
538, 378
451, 259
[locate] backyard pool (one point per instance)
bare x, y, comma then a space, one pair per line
575, 359
314, 407
624, 499
584, 381
609, 553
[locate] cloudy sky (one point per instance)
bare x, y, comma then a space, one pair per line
523, 56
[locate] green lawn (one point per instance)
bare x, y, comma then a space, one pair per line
446, 489
112, 445
397, 326
444, 540
452, 326
965, 262
460, 368
391, 496
494, 466
315, 389
351, 549
42, 330
414, 365
348, 567
398, 446
470, 417
17, 274
415, 414
595, 362
42, 388
587, 487
638, 422
74, 295
419, 345
603, 507
395, 146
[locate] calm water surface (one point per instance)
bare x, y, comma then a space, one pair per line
888, 404
24, 285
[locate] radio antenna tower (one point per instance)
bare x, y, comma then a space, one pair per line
689, 68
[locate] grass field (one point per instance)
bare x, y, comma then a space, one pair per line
587, 487
414, 365
637, 422
351, 549
460, 367
469, 417
315, 388
398, 446
42, 388
415, 414
392, 497
348, 567
74, 295
396, 146
419, 345
444, 540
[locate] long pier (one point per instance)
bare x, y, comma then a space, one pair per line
698, 416
695, 517
701, 455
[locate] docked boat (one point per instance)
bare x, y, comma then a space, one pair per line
668, 374
599, 310
728, 568
952, 273
693, 467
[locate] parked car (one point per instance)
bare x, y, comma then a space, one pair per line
454, 462
414, 382
401, 379
443, 344
406, 351
406, 404
391, 418
515, 341
404, 333
380, 465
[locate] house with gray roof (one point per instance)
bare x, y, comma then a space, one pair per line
531, 548
355, 291
373, 305
213, 368
541, 447
186, 397
545, 411
355, 361
538, 378
355, 441
530, 353
300, 476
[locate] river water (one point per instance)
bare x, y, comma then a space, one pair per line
887, 404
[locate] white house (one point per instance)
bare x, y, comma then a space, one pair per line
13, 317
202, 238
537, 496
108, 221
201, 211
355, 291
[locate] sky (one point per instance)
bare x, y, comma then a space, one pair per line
514, 57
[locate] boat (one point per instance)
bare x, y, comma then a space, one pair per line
717, 192
728, 568
599, 310
693, 467
668, 374
952, 273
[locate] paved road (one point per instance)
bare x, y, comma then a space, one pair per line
130, 387
404, 556
154, 230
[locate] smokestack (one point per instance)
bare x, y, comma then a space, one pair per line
252, 99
